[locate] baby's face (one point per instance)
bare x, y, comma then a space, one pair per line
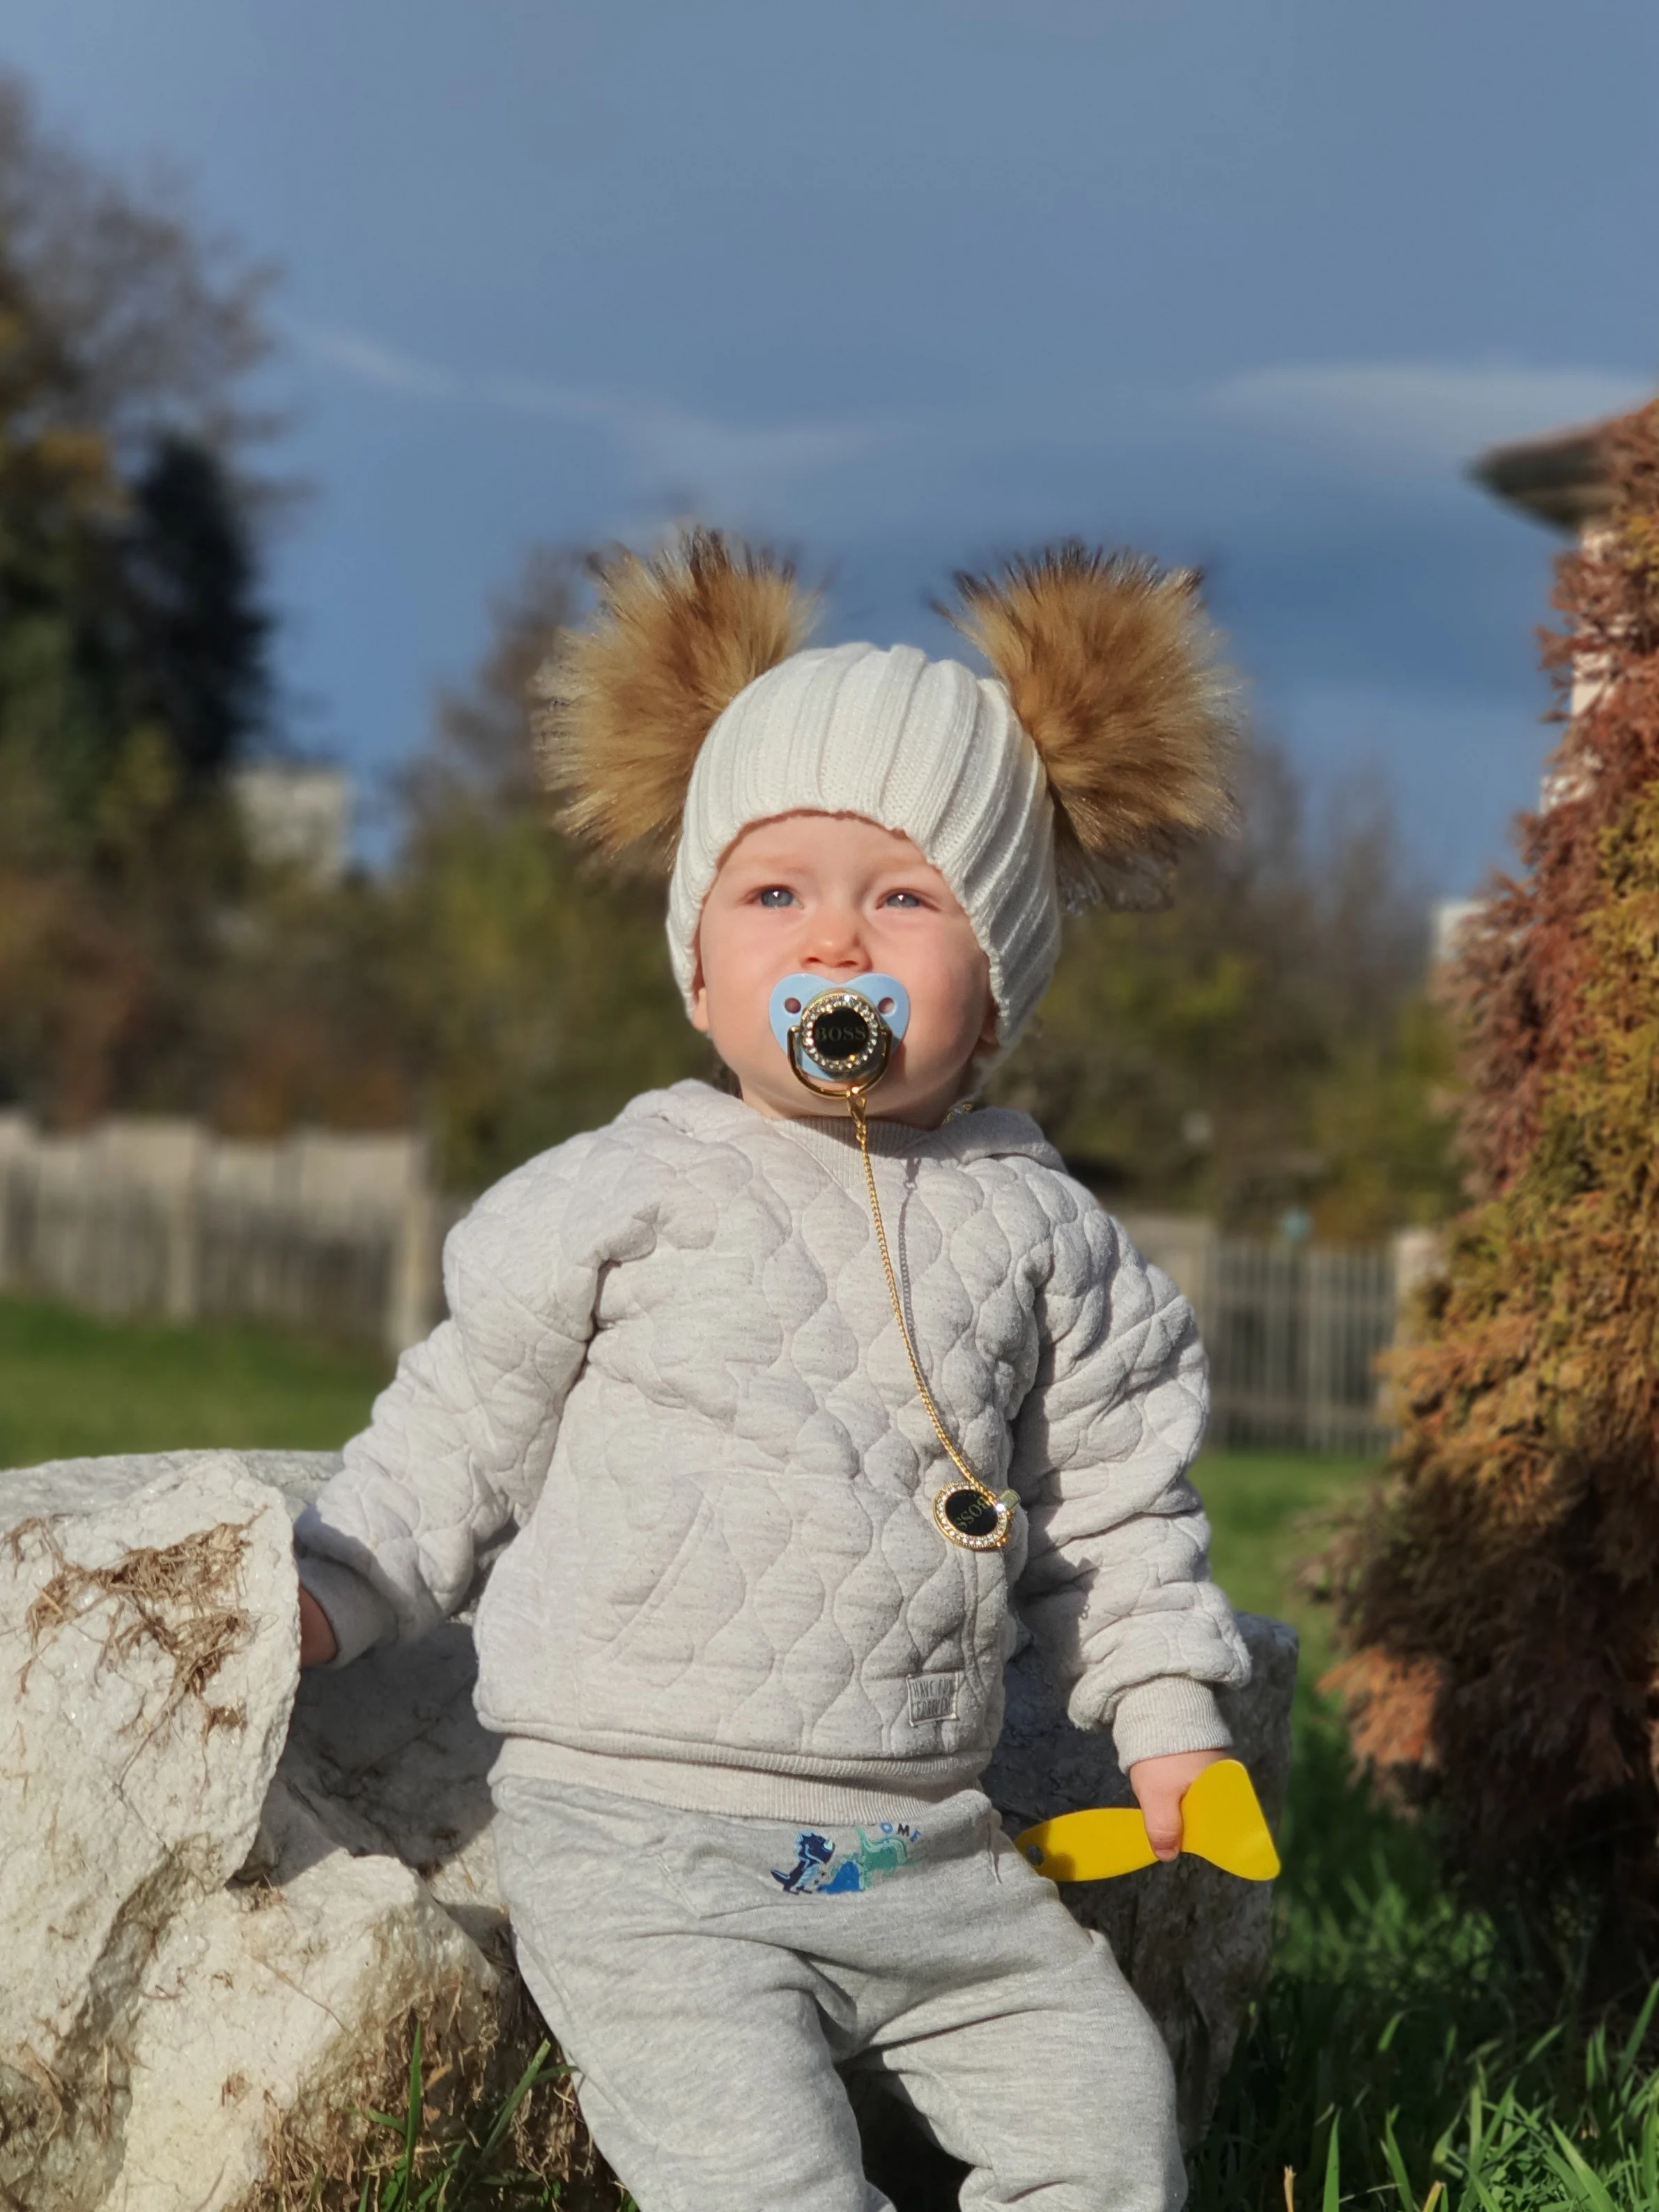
833, 894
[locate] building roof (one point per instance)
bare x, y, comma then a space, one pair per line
1559, 479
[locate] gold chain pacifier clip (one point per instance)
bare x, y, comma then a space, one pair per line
839, 1040
968, 1512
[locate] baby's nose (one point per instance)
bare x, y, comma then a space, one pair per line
837, 946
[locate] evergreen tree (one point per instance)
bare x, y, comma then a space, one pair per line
1502, 1604
199, 635
60, 498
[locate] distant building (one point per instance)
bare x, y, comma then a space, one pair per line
296, 816
1561, 480
1558, 479
1446, 920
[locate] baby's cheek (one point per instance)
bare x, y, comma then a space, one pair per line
951, 1016
741, 1033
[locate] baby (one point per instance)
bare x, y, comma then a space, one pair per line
746, 1674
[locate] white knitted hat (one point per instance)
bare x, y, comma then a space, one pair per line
923, 747
686, 710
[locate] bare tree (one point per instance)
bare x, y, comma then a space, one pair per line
152, 326
480, 751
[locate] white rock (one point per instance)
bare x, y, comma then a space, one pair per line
269, 2012
185, 2035
92, 1485
391, 1756
150, 1655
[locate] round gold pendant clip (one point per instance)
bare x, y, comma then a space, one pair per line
973, 1518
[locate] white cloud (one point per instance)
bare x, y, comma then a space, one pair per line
1359, 424
663, 447
366, 361
1419, 415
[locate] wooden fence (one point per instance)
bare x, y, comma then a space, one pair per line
336, 1233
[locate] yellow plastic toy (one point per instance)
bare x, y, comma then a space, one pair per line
1220, 1817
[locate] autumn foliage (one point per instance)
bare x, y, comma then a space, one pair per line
1502, 1604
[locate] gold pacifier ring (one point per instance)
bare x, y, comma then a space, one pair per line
846, 1040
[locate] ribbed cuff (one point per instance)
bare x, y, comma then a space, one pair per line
359, 1616
1173, 1713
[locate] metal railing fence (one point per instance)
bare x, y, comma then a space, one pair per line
1294, 1331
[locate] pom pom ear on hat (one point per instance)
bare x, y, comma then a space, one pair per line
627, 701
1112, 670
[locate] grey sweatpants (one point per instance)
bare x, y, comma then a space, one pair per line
705, 1974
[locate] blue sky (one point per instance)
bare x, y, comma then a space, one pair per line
907, 284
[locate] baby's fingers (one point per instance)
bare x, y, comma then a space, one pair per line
1161, 1811
1160, 1784
317, 1644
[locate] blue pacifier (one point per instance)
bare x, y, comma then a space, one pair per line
839, 1036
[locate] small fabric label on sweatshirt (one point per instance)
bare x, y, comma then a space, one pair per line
933, 1696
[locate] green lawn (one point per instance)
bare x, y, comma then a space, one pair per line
72, 1384
1266, 1511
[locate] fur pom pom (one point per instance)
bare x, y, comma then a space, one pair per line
627, 701
1112, 670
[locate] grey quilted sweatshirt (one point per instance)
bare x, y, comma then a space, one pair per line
671, 1361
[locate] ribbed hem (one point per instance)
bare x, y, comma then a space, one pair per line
1173, 1713
743, 1790
945, 1770
359, 1616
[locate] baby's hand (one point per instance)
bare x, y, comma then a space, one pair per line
1160, 1784
317, 1644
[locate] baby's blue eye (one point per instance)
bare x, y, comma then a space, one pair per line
777, 895
900, 898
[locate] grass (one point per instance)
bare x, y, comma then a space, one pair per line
74, 1384
467, 2173
1413, 2051
1264, 1510
1417, 2049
